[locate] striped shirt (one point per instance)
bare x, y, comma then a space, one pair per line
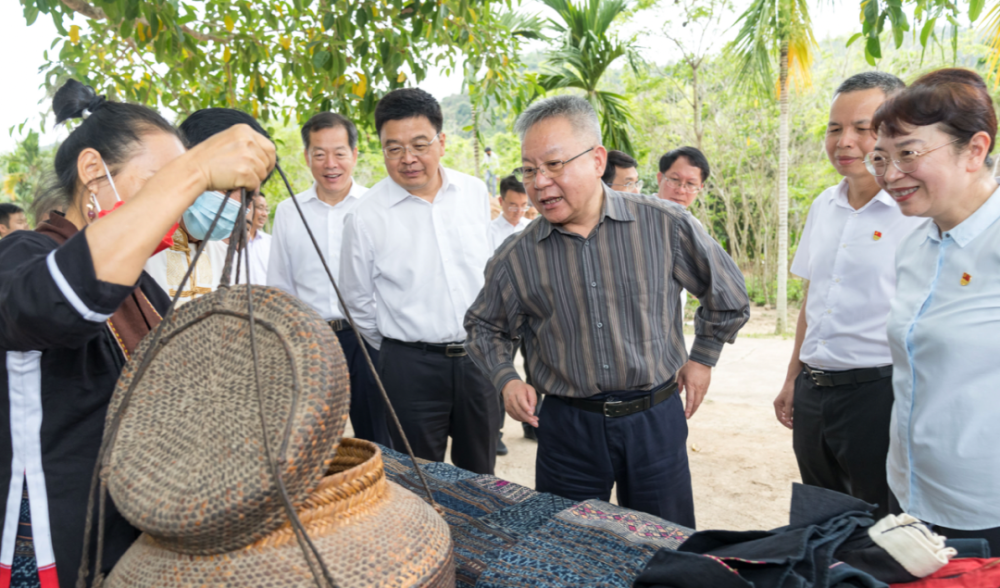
603, 313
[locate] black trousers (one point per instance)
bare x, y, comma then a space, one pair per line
582, 454
369, 416
841, 437
435, 397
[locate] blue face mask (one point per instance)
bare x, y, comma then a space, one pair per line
198, 217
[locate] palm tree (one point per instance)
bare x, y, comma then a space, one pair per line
587, 50
781, 30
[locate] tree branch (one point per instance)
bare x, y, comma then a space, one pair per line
96, 13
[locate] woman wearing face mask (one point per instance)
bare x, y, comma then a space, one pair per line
74, 303
932, 157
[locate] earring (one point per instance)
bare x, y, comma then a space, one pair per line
91, 213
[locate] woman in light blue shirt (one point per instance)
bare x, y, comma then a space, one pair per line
932, 157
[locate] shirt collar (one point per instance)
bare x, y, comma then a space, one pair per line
398, 193
971, 227
312, 194
839, 196
615, 207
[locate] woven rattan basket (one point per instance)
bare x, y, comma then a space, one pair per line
188, 465
370, 532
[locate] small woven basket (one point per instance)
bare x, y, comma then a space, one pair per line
369, 531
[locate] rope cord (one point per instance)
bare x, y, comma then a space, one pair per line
361, 341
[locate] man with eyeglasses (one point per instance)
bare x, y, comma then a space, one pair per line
330, 141
682, 176
412, 262
592, 289
622, 173
514, 204
837, 397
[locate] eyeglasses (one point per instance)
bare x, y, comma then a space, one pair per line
877, 162
630, 185
397, 151
683, 187
550, 169
516, 208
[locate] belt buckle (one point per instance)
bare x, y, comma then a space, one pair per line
611, 405
454, 350
814, 376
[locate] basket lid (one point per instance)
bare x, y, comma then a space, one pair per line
188, 465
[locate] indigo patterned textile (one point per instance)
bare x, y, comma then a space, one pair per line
24, 569
506, 535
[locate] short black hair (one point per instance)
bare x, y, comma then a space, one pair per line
207, 122
693, 155
407, 103
510, 183
329, 120
869, 80
617, 159
7, 210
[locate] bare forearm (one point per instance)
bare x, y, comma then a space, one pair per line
795, 364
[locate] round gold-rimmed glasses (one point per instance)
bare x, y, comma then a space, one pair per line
877, 162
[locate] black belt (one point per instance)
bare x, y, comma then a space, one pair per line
859, 376
615, 409
447, 349
339, 325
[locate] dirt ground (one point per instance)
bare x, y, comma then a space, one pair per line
741, 458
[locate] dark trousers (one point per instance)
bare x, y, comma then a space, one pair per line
435, 397
369, 416
841, 437
991, 535
582, 454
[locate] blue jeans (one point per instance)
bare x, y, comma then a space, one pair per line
582, 454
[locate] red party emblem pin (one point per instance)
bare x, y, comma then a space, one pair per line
966, 278
876, 235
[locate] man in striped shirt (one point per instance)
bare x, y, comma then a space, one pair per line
594, 290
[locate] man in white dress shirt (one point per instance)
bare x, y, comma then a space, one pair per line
331, 150
514, 203
837, 397
413, 259
258, 245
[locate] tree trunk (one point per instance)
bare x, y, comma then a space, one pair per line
475, 137
696, 103
782, 259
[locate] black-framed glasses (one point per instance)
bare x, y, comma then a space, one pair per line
550, 169
397, 151
877, 162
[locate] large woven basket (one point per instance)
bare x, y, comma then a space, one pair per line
370, 532
188, 465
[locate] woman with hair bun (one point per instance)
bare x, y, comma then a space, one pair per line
933, 158
74, 303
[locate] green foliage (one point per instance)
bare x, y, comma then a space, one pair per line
768, 28
280, 60
23, 169
587, 50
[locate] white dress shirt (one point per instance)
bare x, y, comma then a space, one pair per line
294, 266
943, 463
259, 251
848, 257
500, 229
410, 268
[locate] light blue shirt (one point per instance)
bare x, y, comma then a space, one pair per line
944, 333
